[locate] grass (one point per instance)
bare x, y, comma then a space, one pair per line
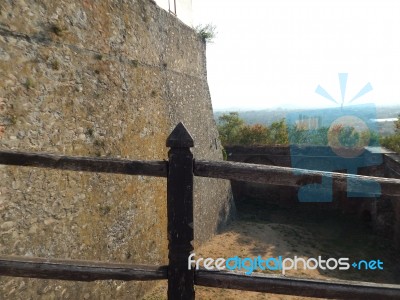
206, 32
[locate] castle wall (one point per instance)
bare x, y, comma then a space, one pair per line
98, 78
383, 212
392, 170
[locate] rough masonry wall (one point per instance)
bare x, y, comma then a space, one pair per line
98, 78
392, 170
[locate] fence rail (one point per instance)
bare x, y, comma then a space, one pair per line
285, 176
88, 164
272, 175
180, 171
73, 270
76, 270
338, 289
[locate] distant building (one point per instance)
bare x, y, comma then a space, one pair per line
386, 126
308, 123
182, 9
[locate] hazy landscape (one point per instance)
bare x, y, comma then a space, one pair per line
269, 116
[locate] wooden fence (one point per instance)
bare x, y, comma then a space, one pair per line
180, 170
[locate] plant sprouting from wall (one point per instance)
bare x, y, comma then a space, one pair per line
207, 32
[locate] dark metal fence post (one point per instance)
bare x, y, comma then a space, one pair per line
180, 214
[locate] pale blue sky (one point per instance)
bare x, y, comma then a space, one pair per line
271, 53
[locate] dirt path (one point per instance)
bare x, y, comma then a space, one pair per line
281, 234
238, 239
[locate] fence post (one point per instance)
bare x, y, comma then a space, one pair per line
180, 214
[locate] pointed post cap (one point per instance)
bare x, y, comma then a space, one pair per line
180, 137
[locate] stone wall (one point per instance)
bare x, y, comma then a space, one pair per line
275, 156
382, 213
392, 170
98, 78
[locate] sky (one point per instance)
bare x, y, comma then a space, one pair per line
275, 53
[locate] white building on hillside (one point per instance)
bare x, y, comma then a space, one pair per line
182, 9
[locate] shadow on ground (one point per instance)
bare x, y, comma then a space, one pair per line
270, 231
313, 233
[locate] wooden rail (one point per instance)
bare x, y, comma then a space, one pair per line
179, 171
328, 289
92, 270
77, 270
285, 176
74, 270
88, 164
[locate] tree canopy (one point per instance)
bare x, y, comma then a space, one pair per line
234, 131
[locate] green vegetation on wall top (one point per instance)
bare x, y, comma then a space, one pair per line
206, 32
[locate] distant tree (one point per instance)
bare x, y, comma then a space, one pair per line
254, 135
301, 136
397, 125
349, 137
321, 136
278, 133
234, 131
392, 142
229, 128
373, 138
